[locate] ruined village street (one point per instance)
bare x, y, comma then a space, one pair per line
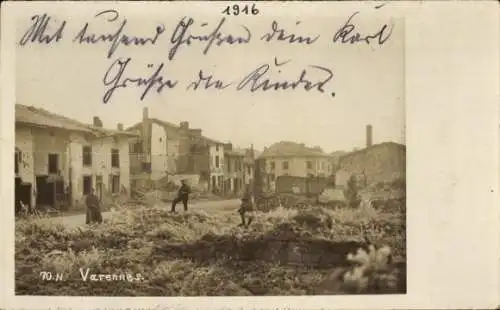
230, 206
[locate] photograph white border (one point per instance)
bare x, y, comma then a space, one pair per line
452, 134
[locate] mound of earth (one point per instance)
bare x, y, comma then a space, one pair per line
283, 252
283, 246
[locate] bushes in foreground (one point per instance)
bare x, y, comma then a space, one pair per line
286, 252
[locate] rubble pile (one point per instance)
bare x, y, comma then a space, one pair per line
155, 197
288, 201
386, 197
285, 251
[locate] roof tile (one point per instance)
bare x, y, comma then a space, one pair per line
288, 148
41, 117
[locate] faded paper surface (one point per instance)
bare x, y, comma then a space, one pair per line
341, 89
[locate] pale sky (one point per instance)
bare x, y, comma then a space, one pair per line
67, 78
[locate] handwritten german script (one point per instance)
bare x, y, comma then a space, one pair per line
204, 38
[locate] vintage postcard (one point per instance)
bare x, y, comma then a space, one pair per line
172, 151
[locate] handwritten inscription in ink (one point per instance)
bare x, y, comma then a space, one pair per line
183, 37
221, 37
206, 81
117, 77
38, 33
243, 10
257, 80
348, 34
116, 38
280, 34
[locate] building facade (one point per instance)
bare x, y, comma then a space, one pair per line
299, 166
164, 150
249, 167
379, 163
233, 170
216, 155
376, 163
292, 159
59, 160
154, 153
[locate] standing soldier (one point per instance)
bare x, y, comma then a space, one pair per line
246, 209
93, 208
182, 195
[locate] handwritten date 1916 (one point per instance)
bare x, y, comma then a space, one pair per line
116, 78
257, 80
237, 10
347, 34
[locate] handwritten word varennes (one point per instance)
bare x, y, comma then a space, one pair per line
207, 38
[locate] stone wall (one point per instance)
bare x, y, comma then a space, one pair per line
383, 162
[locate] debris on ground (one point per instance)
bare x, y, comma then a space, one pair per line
286, 251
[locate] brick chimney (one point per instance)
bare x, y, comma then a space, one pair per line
369, 135
184, 125
97, 122
145, 134
196, 132
119, 126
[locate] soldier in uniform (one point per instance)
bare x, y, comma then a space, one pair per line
93, 208
182, 195
247, 209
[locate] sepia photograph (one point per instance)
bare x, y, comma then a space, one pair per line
196, 153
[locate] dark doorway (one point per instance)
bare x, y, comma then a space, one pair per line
61, 196
16, 162
114, 185
45, 191
99, 186
204, 177
53, 163
17, 206
22, 194
87, 184
236, 185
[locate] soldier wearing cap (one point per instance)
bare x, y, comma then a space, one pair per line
246, 210
182, 195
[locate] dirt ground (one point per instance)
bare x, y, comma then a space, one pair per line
76, 220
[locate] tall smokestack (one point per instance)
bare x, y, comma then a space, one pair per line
97, 122
369, 135
145, 132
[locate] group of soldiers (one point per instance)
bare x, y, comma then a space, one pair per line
246, 209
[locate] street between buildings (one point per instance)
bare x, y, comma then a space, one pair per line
230, 206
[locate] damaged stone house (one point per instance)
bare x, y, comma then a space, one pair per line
249, 165
238, 169
58, 160
292, 159
376, 163
233, 170
166, 151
